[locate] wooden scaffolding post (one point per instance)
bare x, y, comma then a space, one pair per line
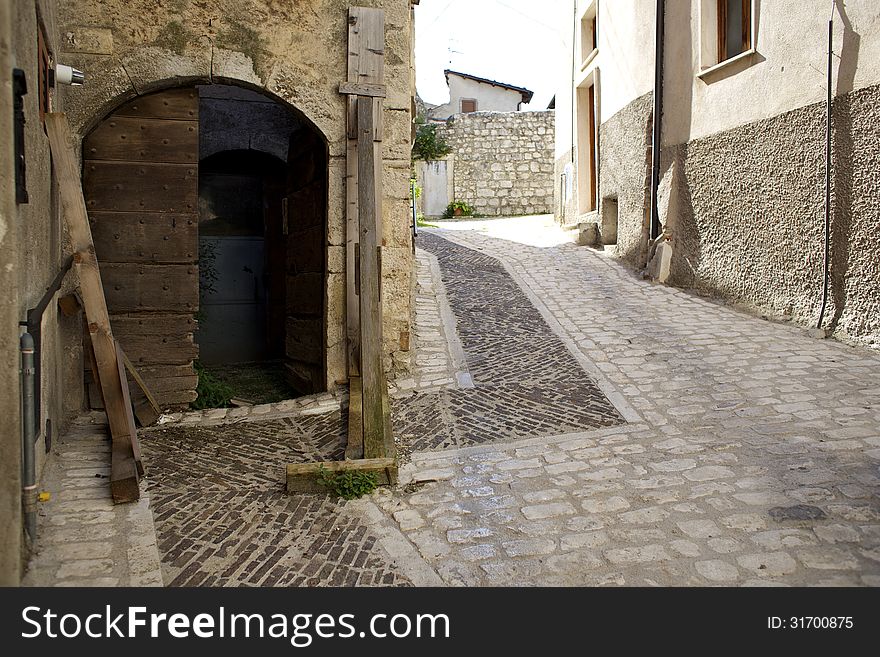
369, 216
369, 424
125, 460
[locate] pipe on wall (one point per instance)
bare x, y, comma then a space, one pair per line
828, 110
28, 460
655, 227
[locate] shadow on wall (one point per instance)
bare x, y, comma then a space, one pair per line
676, 120
841, 166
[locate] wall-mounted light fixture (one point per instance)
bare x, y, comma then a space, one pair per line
68, 75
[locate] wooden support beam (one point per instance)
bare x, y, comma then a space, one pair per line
304, 477
370, 214
354, 449
124, 468
363, 89
146, 409
126, 398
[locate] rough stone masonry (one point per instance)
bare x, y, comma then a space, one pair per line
503, 161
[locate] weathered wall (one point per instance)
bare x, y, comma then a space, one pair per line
282, 49
625, 177
786, 71
625, 57
748, 222
10, 420
31, 248
489, 97
503, 162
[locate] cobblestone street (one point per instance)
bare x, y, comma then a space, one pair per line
750, 453
567, 423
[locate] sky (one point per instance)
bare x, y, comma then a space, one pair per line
518, 42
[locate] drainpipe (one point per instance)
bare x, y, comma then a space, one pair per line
828, 103
28, 464
655, 228
574, 23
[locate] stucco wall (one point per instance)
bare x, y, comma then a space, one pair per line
787, 70
624, 59
502, 162
490, 98
127, 47
748, 219
624, 176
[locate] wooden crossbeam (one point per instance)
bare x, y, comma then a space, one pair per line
125, 467
362, 89
304, 477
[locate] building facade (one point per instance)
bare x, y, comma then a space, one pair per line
198, 123
742, 178
469, 93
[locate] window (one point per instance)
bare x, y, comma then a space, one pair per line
589, 35
468, 105
727, 34
734, 28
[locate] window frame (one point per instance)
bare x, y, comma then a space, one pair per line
746, 8
711, 40
461, 103
589, 16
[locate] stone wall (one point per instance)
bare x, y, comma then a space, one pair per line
503, 162
748, 215
131, 47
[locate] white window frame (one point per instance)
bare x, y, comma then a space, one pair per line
590, 12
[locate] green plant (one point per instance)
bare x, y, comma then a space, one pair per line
421, 223
429, 145
211, 391
349, 484
458, 209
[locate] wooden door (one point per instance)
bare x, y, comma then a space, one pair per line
140, 181
304, 221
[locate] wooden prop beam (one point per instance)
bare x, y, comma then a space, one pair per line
125, 466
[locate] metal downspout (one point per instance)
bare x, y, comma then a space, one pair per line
28, 461
655, 227
828, 110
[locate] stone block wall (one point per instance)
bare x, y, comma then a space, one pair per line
503, 161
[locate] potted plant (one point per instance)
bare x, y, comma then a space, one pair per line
458, 209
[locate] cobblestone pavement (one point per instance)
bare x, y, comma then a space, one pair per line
223, 518
749, 457
82, 538
526, 383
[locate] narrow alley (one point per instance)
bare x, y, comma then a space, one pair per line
622, 433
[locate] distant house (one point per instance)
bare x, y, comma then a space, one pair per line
469, 93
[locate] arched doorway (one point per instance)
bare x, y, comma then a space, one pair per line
208, 208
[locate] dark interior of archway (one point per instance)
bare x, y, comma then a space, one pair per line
214, 194
262, 236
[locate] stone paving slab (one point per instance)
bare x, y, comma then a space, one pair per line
83, 539
752, 456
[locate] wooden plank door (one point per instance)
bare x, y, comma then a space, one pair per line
140, 181
304, 218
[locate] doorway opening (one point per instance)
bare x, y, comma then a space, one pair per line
208, 207
586, 149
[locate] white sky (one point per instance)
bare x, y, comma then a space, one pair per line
513, 41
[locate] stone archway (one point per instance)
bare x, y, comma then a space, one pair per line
141, 167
